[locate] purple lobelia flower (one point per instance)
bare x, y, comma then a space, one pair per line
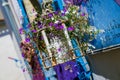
51, 24
62, 14
56, 25
21, 30
70, 28
50, 15
83, 14
27, 40
23, 55
59, 49
56, 12
39, 24
29, 25
61, 27
34, 31
65, 10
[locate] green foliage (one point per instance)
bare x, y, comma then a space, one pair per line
76, 23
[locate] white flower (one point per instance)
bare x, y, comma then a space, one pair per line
62, 11
102, 31
52, 18
92, 28
68, 2
56, 21
90, 45
67, 12
74, 12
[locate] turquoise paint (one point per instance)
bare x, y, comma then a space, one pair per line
58, 5
25, 18
85, 72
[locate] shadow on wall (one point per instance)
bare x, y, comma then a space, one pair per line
4, 30
106, 65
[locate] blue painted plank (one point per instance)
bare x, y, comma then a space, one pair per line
25, 18
58, 5
105, 14
80, 61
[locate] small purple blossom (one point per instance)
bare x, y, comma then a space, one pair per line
83, 14
50, 15
70, 28
39, 24
62, 14
58, 25
34, 31
56, 12
29, 25
24, 70
61, 27
59, 49
55, 25
21, 30
23, 55
27, 40
51, 24
65, 10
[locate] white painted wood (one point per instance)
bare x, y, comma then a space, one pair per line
46, 42
67, 36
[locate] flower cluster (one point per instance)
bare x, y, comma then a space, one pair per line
28, 52
52, 21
